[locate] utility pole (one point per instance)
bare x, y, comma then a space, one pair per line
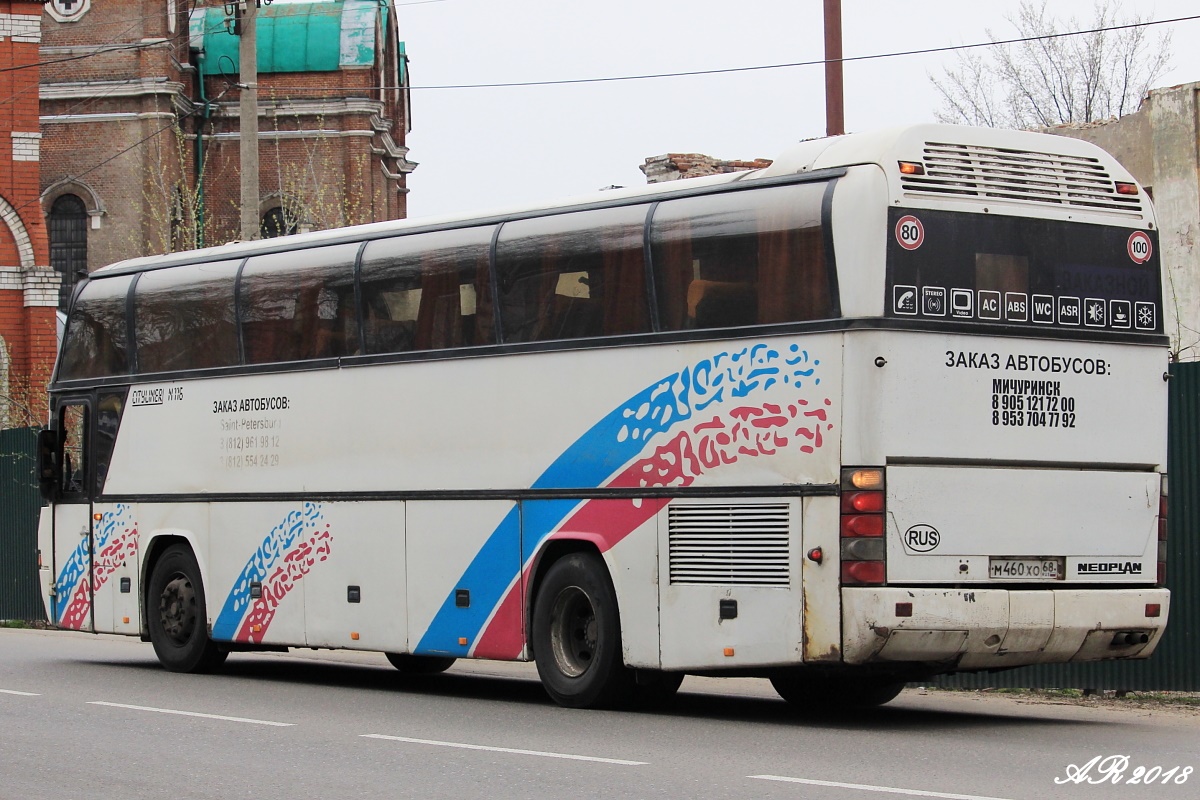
246, 13
835, 114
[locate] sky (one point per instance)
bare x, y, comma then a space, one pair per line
488, 148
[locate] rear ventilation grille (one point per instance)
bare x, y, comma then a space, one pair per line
729, 544
1019, 175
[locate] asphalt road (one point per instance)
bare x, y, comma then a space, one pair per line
85, 716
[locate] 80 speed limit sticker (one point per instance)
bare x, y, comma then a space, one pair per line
910, 233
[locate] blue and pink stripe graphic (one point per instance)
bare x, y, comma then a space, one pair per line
288, 553
685, 426
114, 540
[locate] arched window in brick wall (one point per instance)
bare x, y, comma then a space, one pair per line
68, 225
275, 223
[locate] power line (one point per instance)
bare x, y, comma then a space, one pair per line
813, 63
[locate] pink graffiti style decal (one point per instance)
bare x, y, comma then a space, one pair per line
749, 431
115, 539
746, 432
295, 565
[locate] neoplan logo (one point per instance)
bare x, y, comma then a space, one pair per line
1110, 568
922, 538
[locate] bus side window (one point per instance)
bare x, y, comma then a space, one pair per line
428, 291
573, 276
95, 341
73, 427
734, 259
184, 318
299, 305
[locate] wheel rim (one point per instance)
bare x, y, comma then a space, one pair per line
573, 632
177, 609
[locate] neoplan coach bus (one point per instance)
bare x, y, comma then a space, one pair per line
894, 406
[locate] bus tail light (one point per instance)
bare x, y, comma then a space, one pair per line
1162, 533
863, 547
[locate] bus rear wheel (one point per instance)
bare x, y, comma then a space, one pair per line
577, 635
177, 616
817, 692
409, 664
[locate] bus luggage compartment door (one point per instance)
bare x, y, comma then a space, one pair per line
729, 583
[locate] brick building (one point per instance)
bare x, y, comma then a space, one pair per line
28, 287
140, 132
676, 166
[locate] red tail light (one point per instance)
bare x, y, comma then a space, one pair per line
863, 547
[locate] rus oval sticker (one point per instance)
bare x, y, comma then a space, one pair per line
922, 538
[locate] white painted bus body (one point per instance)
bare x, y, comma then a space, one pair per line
396, 488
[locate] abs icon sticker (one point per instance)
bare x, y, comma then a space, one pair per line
1139, 247
910, 233
922, 538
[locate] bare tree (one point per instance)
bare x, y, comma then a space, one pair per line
1049, 81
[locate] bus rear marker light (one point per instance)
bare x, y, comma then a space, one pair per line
1153, 609
816, 554
913, 168
728, 651
1126, 188
125, 620
354, 636
97, 516
904, 609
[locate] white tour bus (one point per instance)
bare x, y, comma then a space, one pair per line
891, 407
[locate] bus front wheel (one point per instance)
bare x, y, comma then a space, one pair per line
577, 635
176, 615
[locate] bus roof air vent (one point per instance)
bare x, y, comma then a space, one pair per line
995, 173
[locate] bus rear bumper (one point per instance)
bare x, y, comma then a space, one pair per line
998, 628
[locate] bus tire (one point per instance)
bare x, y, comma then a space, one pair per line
820, 693
409, 664
577, 635
176, 614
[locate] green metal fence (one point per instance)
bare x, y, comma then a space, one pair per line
20, 597
1175, 665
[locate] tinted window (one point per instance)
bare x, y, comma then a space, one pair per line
183, 318
299, 305
570, 276
96, 336
427, 291
68, 227
741, 258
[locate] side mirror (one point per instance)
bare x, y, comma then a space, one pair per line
49, 446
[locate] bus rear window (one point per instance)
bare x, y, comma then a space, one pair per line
742, 258
96, 341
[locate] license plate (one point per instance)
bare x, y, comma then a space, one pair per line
1025, 569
